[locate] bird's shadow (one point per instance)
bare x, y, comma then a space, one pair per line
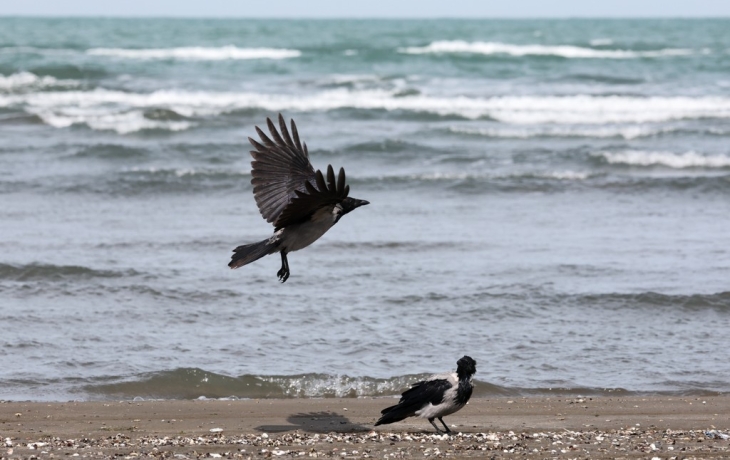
316, 422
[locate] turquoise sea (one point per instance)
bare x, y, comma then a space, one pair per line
550, 197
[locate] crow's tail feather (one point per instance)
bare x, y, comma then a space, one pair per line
247, 253
395, 414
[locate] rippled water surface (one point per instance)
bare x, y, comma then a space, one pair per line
549, 197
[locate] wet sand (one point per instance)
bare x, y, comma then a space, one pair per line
559, 427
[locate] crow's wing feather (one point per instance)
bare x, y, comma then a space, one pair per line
315, 196
281, 167
419, 395
428, 391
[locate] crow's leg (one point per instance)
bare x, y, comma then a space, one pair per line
442, 422
283, 273
438, 430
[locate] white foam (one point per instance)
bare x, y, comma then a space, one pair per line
185, 172
566, 51
438, 176
197, 53
603, 132
585, 110
98, 108
27, 80
362, 82
122, 123
341, 386
660, 158
567, 175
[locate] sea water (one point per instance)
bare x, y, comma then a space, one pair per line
550, 197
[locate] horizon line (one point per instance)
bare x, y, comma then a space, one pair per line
340, 18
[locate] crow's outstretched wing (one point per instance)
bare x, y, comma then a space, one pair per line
286, 187
281, 167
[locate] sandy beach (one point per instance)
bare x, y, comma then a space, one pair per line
556, 427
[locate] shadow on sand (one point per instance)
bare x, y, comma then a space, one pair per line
316, 422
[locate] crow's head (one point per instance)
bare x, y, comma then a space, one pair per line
466, 367
349, 204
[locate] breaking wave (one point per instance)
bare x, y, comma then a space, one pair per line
604, 132
30, 81
564, 51
672, 160
122, 123
197, 53
126, 112
194, 383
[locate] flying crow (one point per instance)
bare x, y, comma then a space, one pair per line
300, 203
438, 396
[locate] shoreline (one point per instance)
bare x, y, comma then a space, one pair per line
528, 427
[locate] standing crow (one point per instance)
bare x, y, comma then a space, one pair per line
438, 396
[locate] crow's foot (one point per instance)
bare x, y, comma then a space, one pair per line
283, 274
437, 428
444, 424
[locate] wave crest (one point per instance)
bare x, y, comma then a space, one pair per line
602, 132
669, 159
125, 112
193, 383
122, 123
564, 51
197, 53
28, 80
